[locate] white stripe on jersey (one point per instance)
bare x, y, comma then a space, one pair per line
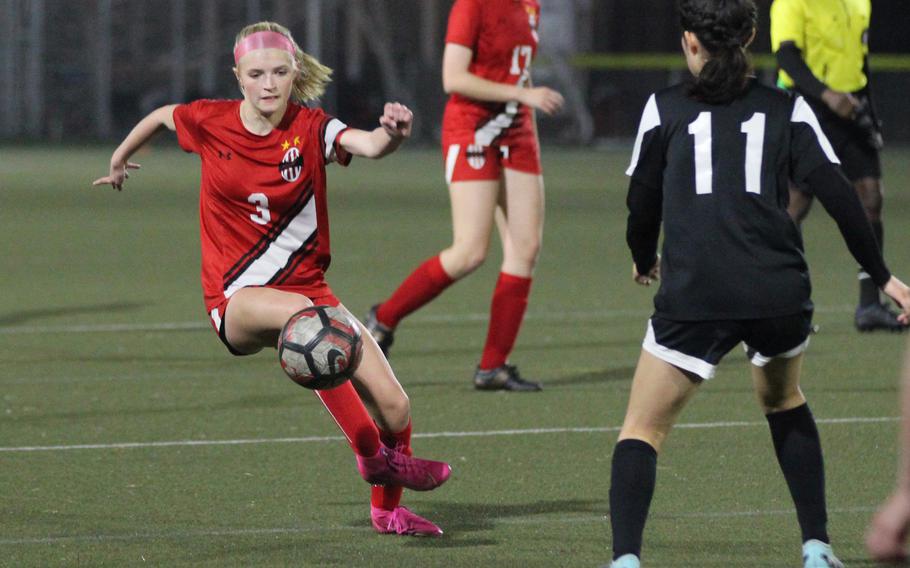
802, 112
650, 118
451, 159
276, 256
331, 132
485, 135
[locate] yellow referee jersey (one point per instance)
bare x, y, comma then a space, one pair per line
832, 35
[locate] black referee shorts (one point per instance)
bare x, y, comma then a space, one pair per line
858, 158
698, 346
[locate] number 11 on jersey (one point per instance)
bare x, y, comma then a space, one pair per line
754, 129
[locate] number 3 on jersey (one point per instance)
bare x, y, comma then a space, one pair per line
754, 129
262, 215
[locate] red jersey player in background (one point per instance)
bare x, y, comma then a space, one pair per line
265, 239
492, 167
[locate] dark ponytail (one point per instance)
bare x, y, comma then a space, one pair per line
724, 28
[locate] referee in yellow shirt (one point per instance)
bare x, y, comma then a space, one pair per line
822, 50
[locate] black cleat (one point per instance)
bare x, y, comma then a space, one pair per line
383, 335
877, 316
504, 378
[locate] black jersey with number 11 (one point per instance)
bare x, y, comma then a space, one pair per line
717, 176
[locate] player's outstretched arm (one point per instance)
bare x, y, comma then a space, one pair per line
456, 78
394, 126
140, 134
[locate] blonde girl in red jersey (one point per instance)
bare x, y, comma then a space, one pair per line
492, 166
265, 240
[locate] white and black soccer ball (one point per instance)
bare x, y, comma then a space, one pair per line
320, 347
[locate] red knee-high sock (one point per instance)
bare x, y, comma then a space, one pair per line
352, 417
424, 284
388, 496
510, 300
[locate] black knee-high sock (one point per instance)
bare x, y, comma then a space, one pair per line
634, 471
799, 453
868, 291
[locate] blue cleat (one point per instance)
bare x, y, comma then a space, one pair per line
626, 561
817, 554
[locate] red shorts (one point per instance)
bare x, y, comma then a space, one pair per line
467, 161
218, 315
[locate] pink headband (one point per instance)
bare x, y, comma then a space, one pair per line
263, 40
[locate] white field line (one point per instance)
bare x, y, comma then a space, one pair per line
474, 434
531, 520
597, 315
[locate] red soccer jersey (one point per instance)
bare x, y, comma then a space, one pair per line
503, 37
264, 220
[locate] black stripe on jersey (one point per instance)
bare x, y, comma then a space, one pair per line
263, 243
308, 248
322, 129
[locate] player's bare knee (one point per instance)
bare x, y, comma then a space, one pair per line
779, 400
467, 259
294, 305
396, 412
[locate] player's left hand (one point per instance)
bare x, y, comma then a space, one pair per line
396, 120
646, 279
887, 532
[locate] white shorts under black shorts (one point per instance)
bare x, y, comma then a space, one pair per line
698, 346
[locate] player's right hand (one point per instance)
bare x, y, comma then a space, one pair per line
646, 279
842, 104
120, 172
900, 293
544, 99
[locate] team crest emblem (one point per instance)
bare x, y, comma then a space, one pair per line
475, 155
291, 164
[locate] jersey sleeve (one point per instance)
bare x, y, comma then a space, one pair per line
464, 23
647, 166
186, 120
788, 20
331, 131
809, 147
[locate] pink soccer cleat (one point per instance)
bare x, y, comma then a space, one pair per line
402, 521
391, 467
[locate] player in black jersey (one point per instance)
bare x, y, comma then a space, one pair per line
711, 163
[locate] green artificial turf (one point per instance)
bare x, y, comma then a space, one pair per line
129, 436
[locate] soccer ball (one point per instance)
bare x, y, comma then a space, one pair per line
320, 347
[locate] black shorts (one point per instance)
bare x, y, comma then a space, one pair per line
698, 346
858, 158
